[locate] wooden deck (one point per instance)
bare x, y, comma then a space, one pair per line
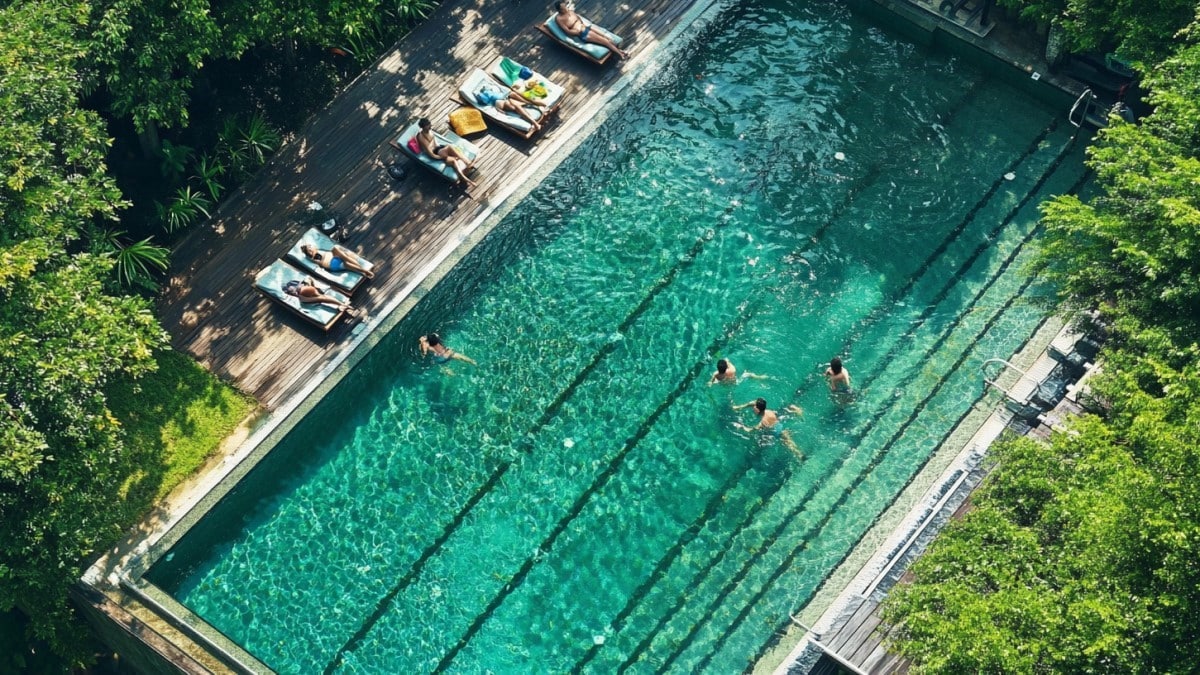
857, 638
209, 306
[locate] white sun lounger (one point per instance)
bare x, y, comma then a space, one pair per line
346, 280
270, 282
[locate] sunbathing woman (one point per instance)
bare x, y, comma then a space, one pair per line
339, 259
574, 25
307, 292
507, 101
447, 153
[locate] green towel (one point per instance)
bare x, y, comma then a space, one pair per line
511, 69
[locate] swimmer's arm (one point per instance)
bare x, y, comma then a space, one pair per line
743, 405
753, 376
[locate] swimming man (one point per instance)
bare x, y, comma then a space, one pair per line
769, 420
838, 377
727, 372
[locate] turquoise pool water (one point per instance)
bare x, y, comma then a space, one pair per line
797, 184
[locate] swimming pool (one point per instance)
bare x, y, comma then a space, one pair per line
797, 184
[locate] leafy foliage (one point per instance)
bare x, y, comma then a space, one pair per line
1081, 556
1142, 30
1141, 238
174, 419
62, 337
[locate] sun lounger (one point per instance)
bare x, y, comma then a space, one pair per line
478, 81
345, 280
270, 282
437, 166
592, 52
508, 73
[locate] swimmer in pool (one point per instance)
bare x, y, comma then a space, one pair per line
769, 420
839, 380
432, 345
727, 373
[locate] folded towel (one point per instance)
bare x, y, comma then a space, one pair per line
512, 70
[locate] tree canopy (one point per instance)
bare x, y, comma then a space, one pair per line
63, 336
1081, 556
1141, 30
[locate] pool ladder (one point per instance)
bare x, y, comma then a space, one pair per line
1083, 106
1019, 397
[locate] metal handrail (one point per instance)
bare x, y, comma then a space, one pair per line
1086, 98
1022, 373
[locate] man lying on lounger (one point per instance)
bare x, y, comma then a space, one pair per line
447, 153
307, 292
574, 25
338, 259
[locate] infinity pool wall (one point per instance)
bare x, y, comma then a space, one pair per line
797, 184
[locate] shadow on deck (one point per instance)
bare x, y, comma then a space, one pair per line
209, 306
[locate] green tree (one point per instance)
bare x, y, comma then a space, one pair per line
1142, 30
1081, 556
146, 53
62, 337
1136, 247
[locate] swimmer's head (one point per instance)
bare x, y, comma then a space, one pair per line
722, 366
433, 339
424, 123
760, 406
835, 364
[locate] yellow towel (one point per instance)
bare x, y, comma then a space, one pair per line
467, 121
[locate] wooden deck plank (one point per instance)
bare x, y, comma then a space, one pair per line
842, 632
209, 306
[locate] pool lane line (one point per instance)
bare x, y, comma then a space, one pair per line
525, 445
877, 456
713, 506
873, 172
908, 334
689, 378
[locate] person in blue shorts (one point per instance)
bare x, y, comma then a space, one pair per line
769, 420
574, 25
338, 259
431, 345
